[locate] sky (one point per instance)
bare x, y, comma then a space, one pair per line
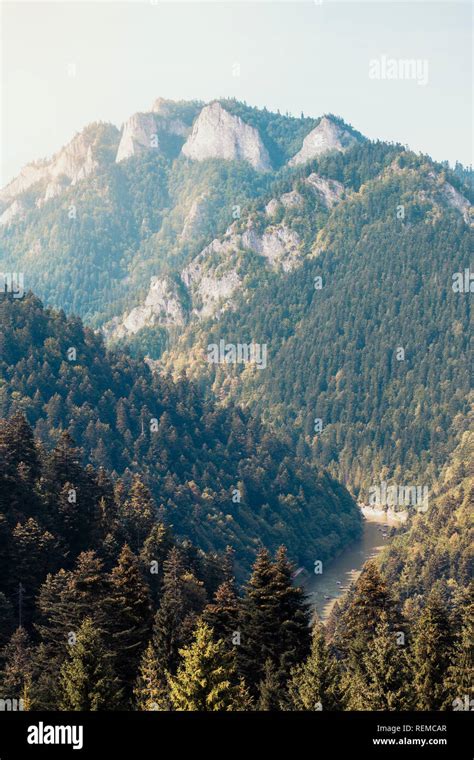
67, 64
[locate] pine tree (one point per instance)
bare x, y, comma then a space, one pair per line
275, 619
87, 680
314, 684
151, 689
138, 513
385, 681
433, 652
206, 679
130, 615
169, 630
270, 690
18, 670
223, 613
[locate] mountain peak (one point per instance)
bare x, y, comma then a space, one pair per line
76, 160
139, 134
219, 134
162, 106
327, 136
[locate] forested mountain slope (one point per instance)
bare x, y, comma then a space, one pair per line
217, 475
368, 332
199, 223
90, 226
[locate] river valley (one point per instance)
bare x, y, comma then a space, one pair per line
324, 589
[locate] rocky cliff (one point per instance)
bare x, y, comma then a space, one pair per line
218, 134
325, 137
77, 160
162, 306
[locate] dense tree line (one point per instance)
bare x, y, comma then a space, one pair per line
217, 475
102, 608
377, 351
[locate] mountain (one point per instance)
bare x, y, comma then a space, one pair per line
325, 137
436, 547
335, 276
115, 208
216, 474
215, 222
219, 134
88, 152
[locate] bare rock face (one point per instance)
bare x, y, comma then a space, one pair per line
75, 161
272, 207
325, 137
218, 134
454, 199
139, 134
329, 190
29, 175
278, 244
162, 306
211, 287
72, 163
195, 219
14, 211
293, 199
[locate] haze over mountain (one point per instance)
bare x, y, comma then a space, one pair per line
252, 312
198, 222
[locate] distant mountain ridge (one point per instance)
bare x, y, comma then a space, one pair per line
205, 222
200, 132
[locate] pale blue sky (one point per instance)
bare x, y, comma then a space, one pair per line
295, 56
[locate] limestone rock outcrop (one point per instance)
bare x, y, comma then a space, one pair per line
327, 136
219, 134
162, 306
139, 134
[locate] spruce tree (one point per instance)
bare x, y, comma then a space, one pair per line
270, 689
87, 680
460, 680
314, 684
138, 513
156, 548
384, 683
223, 613
206, 679
433, 653
275, 619
151, 690
68, 597
130, 615
7, 620
356, 626
169, 630
17, 446
18, 669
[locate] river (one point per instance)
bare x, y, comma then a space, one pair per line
324, 589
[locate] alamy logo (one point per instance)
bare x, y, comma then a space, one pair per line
237, 353
11, 705
42, 734
463, 703
398, 496
399, 68
463, 282
12, 282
